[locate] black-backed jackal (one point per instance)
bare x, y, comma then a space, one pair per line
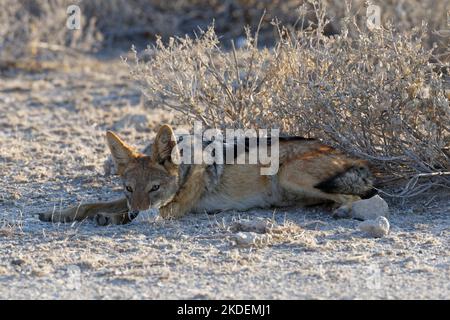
309, 173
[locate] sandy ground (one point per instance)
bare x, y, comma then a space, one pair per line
52, 152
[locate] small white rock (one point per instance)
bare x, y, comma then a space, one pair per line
376, 228
369, 209
247, 239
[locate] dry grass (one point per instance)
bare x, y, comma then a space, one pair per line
11, 227
265, 232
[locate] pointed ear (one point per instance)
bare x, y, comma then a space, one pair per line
165, 147
121, 153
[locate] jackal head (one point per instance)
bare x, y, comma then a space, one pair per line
148, 181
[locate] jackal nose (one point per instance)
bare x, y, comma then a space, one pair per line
133, 214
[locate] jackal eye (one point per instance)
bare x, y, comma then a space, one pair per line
154, 188
129, 189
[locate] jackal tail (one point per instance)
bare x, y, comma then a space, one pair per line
356, 180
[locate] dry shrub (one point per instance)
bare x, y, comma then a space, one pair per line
374, 94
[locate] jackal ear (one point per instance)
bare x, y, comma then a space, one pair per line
122, 154
165, 150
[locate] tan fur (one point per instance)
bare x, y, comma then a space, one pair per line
156, 181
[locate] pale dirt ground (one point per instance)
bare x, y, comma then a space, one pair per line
51, 154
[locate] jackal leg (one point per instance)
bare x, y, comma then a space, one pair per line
187, 197
112, 212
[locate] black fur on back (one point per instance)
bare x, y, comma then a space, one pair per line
267, 140
234, 143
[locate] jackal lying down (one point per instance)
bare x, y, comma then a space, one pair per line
309, 173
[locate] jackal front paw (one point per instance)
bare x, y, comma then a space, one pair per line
45, 216
111, 219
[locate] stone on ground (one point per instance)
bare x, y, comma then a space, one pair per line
370, 209
376, 228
